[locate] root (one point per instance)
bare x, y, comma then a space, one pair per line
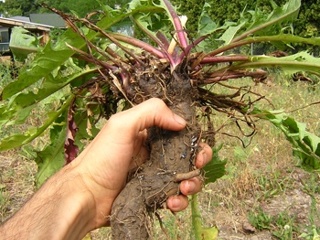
171, 160
129, 219
184, 176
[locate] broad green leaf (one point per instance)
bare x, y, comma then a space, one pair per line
49, 86
306, 145
280, 14
205, 24
215, 168
17, 140
45, 62
51, 159
11, 116
22, 43
229, 34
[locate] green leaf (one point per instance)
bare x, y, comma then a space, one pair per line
49, 86
45, 62
18, 140
11, 116
229, 34
22, 43
286, 13
51, 159
301, 61
215, 168
305, 145
205, 24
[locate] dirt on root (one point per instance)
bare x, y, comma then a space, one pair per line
159, 177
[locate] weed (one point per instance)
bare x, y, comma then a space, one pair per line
312, 233
285, 226
311, 184
260, 220
273, 184
4, 201
6, 73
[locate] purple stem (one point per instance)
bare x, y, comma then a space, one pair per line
220, 59
140, 44
181, 33
192, 45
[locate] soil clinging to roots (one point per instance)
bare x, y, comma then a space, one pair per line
171, 155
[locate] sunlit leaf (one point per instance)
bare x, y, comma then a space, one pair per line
18, 140
22, 43
305, 145
55, 54
215, 168
51, 159
261, 25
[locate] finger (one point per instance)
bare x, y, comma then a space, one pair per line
177, 203
152, 112
204, 156
191, 186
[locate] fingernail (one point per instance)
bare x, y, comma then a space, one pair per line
179, 119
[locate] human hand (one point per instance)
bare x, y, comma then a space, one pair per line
105, 163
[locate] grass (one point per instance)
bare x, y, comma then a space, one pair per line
16, 182
263, 185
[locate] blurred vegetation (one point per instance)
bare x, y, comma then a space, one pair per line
11, 8
306, 25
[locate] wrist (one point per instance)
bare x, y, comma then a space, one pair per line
76, 206
75, 214
99, 198
70, 205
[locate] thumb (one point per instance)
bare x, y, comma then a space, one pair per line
153, 112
